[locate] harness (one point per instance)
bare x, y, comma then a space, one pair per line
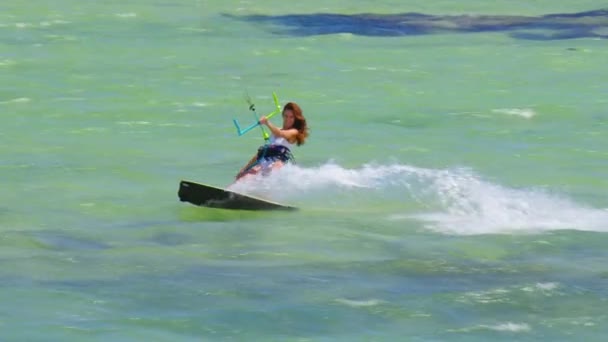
272, 153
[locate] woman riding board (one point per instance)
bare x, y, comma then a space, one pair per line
278, 151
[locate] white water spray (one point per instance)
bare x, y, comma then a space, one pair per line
455, 201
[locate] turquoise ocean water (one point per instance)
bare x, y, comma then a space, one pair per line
453, 187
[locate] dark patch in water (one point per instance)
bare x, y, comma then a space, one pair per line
589, 24
171, 239
61, 241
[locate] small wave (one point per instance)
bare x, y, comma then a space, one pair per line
23, 25
508, 327
542, 287
57, 37
522, 112
506, 294
6, 62
52, 23
126, 15
359, 303
17, 100
134, 123
40, 25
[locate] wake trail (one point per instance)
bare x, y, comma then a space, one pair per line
452, 201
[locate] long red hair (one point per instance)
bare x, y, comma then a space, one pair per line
299, 122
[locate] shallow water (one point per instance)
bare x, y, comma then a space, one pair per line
453, 186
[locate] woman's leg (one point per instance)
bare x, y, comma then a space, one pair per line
248, 167
277, 165
252, 171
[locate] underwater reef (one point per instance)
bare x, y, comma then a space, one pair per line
589, 24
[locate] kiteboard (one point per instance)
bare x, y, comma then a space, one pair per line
213, 197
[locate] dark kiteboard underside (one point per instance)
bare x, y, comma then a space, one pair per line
213, 197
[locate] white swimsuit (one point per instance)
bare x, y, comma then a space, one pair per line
266, 157
280, 141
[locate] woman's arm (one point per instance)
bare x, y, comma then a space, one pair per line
288, 134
